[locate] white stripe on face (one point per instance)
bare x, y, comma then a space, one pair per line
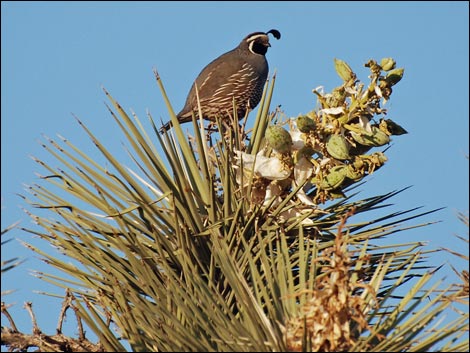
251, 40
254, 37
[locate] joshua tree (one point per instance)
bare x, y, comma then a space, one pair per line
239, 239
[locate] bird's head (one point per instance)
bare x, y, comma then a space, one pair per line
258, 42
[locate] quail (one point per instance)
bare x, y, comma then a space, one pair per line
238, 75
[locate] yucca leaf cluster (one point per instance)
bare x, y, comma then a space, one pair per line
238, 240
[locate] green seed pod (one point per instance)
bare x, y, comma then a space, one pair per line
334, 178
376, 138
305, 124
380, 138
387, 64
278, 139
343, 70
338, 147
394, 76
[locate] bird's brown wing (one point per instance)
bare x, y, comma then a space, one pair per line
217, 81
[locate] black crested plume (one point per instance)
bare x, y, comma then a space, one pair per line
275, 33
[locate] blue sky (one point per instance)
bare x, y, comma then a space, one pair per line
55, 56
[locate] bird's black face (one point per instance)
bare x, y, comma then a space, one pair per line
258, 42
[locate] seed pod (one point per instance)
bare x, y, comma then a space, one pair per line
376, 138
305, 124
278, 139
338, 147
380, 138
387, 64
394, 76
334, 178
343, 70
